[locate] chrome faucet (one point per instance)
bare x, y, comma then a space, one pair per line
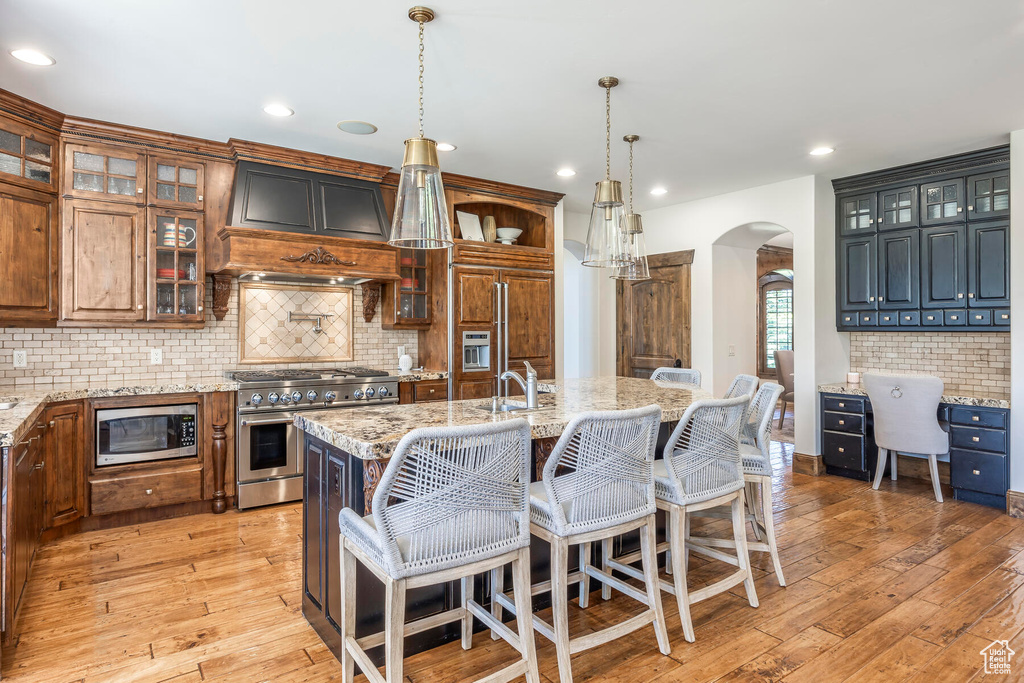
529, 386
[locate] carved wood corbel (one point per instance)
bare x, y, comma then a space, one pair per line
371, 297
221, 294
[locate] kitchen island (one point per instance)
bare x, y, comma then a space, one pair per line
346, 453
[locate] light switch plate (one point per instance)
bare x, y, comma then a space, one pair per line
156, 356
732, 349
21, 359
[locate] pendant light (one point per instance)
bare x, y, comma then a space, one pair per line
604, 238
421, 215
633, 233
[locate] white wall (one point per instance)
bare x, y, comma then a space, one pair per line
581, 347
559, 283
733, 290
1017, 312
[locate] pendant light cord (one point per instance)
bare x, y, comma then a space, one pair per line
607, 133
631, 177
421, 78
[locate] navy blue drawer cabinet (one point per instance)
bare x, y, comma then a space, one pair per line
925, 245
979, 463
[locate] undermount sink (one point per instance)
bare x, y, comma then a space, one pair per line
505, 408
8, 405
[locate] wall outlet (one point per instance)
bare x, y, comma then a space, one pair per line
156, 356
732, 349
21, 359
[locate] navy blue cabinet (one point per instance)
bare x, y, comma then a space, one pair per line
925, 245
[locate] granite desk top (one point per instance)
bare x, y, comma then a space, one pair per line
372, 433
976, 400
16, 421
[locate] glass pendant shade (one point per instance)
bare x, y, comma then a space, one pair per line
605, 247
421, 214
635, 250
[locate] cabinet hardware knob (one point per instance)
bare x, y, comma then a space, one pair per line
871, 298
960, 295
975, 418
881, 298
842, 450
149, 492
139, 307
842, 405
906, 317
52, 423
970, 208
978, 317
976, 471
200, 308
842, 422
975, 438
1004, 316
954, 317
138, 191
931, 317
431, 391
959, 209
970, 295
867, 318
885, 318
199, 198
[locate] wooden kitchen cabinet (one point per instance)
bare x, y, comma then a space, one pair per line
64, 452
28, 257
426, 391
175, 275
176, 183
988, 264
25, 518
27, 155
531, 322
103, 262
474, 296
899, 266
112, 174
406, 303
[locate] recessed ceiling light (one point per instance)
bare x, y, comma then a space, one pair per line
821, 151
33, 57
659, 190
357, 127
277, 109
566, 172
446, 147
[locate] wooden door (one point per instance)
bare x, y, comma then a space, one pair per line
175, 183
103, 262
530, 314
988, 264
653, 317
28, 257
175, 273
899, 263
475, 296
65, 466
857, 267
113, 174
944, 266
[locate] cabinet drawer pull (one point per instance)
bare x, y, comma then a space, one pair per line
842, 422
931, 317
975, 438
842, 450
432, 391
149, 492
954, 317
978, 317
906, 317
975, 418
842, 405
1005, 316
976, 471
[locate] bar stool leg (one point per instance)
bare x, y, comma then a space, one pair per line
769, 526
394, 630
585, 581
606, 553
678, 541
882, 454
895, 457
740, 535
649, 559
497, 586
754, 508
560, 606
933, 469
522, 596
668, 537
686, 537
467, 618
348, 610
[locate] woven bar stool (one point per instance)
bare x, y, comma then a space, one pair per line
597, 484
684, 375
452, 503
755, 450
742, 385
701, 469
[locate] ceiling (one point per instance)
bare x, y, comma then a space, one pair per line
725, 95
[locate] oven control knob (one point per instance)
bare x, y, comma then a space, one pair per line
383, 391
330, 396
286, 398
311, 395
273, 397
296, 396
256, 399
358, 393
369, 392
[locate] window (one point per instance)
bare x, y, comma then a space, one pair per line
775, 318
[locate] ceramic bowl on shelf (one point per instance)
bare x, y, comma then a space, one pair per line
506, 240
508, 234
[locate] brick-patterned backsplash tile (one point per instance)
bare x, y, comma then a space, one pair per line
967, 363
71, 354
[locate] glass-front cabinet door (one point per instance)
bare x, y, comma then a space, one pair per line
897, 208
988, 195
857, 214
942, 202
108, 173
176, 274
175, 183
408, 305
26, 156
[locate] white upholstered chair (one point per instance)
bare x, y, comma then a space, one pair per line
597, 483
684, 375
904, 409
453, 502
784, 373
701, 469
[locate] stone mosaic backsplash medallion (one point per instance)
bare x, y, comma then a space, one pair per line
267, 336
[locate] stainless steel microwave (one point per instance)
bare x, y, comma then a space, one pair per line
127, 435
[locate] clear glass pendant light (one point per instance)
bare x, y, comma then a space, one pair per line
632, 231
421, 215
605, 246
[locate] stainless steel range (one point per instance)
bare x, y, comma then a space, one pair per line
269, 459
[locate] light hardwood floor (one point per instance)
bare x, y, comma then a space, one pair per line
884, 585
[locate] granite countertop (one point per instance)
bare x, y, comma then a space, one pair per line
16, 421
372, 433
976, 400
419, 375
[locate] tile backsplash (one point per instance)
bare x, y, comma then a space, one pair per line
270, 335
967, 363
62, 355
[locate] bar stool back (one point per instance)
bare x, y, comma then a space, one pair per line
452, 503
742, 385
685, 375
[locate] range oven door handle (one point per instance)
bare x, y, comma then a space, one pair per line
272, 421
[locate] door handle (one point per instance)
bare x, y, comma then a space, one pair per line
272, 421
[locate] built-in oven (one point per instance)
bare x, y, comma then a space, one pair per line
267, 446
476, 351
127, 435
